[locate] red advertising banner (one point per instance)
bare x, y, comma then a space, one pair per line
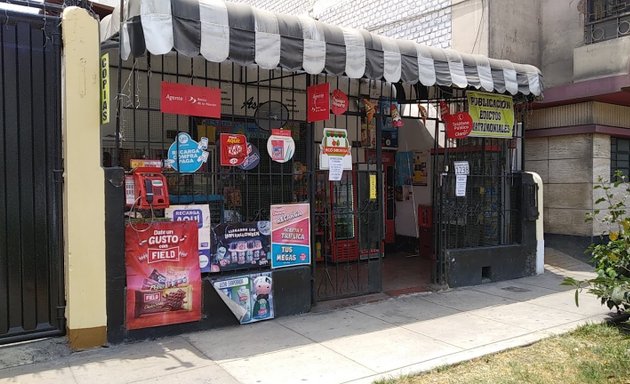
163, 277
182, 99
339, 102
233, 149
318, 102
458, 125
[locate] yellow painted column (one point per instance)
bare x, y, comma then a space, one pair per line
84, 195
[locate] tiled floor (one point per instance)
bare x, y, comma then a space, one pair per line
406, 273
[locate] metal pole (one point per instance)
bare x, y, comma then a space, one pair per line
115, 160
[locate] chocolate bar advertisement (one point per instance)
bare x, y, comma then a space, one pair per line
249, 297
163, 276
240, 246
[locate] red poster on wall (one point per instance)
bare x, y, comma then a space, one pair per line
191, 100
163, 276
233, 149
318, 100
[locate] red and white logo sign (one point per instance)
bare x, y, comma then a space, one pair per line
339, 102
458, 125
233, 149
182, 99
318, 102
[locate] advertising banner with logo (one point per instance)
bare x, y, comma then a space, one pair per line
240, 246
186, 155
199, 213
249, 297
492, 115
290, 235
280, 145
233, 149
191, 100
318, 99
163, 277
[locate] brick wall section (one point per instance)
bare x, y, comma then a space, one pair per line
426, 22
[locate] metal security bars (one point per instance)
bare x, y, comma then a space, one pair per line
346, 218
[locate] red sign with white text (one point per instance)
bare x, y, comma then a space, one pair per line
318, 102
191, 100
458, 125
339, 102
233, 149
163, 276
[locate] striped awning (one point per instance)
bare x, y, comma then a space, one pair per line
220, 31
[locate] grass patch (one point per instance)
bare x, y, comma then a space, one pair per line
597, 353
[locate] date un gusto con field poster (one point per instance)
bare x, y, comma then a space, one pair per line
163, 276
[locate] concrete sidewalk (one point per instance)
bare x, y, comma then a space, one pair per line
357, 344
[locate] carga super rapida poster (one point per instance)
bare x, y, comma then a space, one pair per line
290, 235
163, 277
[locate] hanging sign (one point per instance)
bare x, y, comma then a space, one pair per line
252, 159
335, 144
460, 185
339, 103
461, 167
290, 235
105, 88
280, 145
458, 125
318, 102
492, 115
186, 155
240, 246
199, 213
191, 100
249, 297
233, 149
163, 277
335, 168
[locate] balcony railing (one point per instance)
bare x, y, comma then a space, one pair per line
597, 29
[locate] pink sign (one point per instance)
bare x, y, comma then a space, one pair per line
290, 235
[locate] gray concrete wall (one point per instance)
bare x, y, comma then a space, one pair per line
601, 59
562, 31
514, 30
470, 26
565, 163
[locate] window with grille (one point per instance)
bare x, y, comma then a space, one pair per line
619, 156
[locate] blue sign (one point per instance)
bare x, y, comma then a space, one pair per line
252, 159
186, 155
189, 215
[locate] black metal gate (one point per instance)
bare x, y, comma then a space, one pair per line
348, 225
480, 209
31, 257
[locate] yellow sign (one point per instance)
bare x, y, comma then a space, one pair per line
105, 88
372, 187
492, 115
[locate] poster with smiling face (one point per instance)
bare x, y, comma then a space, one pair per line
163, 276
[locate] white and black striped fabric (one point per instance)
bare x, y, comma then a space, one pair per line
220, 30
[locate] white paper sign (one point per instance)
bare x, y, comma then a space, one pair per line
461, 168
335, 170
460, 185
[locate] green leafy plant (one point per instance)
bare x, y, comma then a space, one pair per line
611, 256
